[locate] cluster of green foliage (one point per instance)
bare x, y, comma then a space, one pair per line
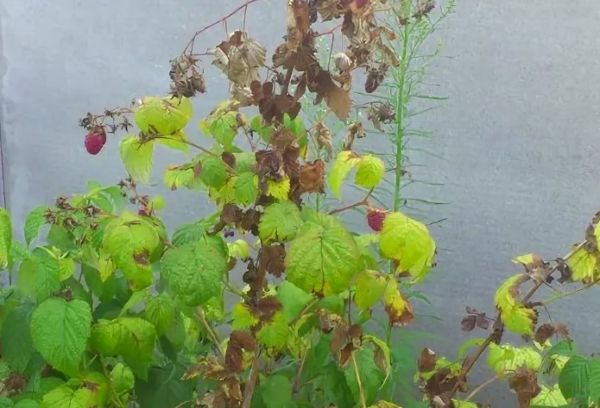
272, 301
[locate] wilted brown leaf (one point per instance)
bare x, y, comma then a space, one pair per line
312, 177
544, 332
273, 257
524, 384
427, 360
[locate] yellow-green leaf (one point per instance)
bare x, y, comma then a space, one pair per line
505, 359
549, 397
370, 171
343, 164
242, 317
137, 158
166, 115
370, 286
397, 307
239, 249
583, 265
275, 333
129, 241
516, 317
279, 189
409, 243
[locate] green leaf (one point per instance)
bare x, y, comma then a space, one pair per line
574, 379
166, 115
105, 291
177, 177
66, 268
164, 388
280, 222
595, 379
504, 359
264, 130
370, 375
60, 330
409, 243
121, 378
195, 271
5, 238
323, 258
222, 126
6, 402
27, 403
370, 286
134, 300
137, 156
276, 392
516, 317
130, 337
274, 334
296, 125
34, 221
293, 299
383, 358
246, 188
17, 346
66, 397
130, 240
39, 275
549, 397
343, 164
214, 172
161, 311
239, 249
370, 171
335, 386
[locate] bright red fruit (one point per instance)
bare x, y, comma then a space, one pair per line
375, 218
95, 140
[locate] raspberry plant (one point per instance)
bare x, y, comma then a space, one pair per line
269, 302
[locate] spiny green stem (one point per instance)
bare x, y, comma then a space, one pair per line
400, 102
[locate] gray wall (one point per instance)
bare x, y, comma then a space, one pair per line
518, 137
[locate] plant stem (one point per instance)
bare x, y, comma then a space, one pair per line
361, 391
360, 203
481, 387
298, 378
251, 384
566, 294
400, 102
209, 331
190, 45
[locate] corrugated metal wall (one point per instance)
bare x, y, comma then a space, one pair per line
518, 139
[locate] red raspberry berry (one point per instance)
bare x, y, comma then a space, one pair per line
375, 219
360, 3
95, 140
